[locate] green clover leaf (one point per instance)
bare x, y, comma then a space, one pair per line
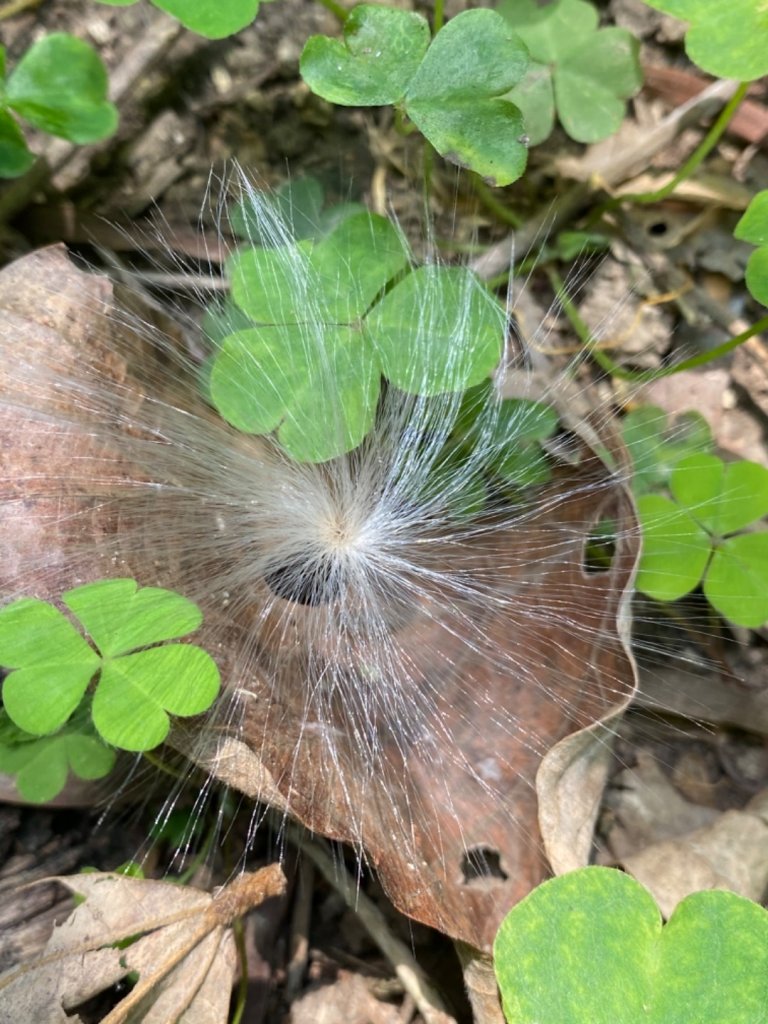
535, 98
757, 274
318, 389
119, 616
729, 40
589, 947
41, 764
753, 228
453, 89
723, 497
60, 86
676, 549
15, 156
305, 368
381, 52
656, 446
735, 583
335, 279
584, 72
419, 331
510, 432
52, 665
695, 536
213, 19
324, 331
136, 693
457, 96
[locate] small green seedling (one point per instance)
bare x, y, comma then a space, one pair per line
725, 39
452, 88
512, 434
583, 72
522, 427
59, 86
589, 947
138, 684
329, 319
753, 228
697, 534
494, 447
656, 445
41, 763
571, 245
213, 19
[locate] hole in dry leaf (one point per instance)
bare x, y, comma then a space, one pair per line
658, 228
97, 1007
600, 546
482, 862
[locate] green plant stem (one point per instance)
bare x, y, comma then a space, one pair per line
709, 141
402, 124
500, 281
720, 350
161, 765
438, 17
200, 858
605, 362
16, 7
336, 9
242, 956
491, 203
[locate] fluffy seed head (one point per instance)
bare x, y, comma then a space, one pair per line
403, 637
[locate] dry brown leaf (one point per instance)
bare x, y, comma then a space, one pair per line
731, 853
707, 190
549, 660
349, 999
570, 784
646, 809
182, 950
705, 697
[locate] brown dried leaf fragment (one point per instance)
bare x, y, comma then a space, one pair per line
182, 950
729, 853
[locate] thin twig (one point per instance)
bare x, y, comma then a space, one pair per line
300, 920
411, 976
14, 7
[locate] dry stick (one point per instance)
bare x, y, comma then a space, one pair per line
412, 978
497, 259
407, 1009
300, 921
